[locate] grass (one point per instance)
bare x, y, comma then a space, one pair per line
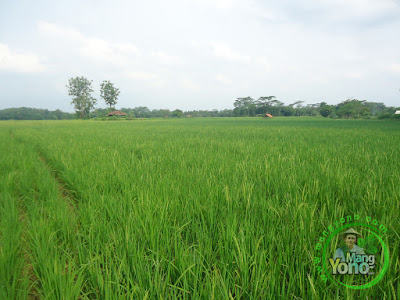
191, 208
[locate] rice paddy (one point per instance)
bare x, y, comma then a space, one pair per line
190, 208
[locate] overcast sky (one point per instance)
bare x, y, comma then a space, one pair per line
200, 54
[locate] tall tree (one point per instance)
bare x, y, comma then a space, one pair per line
352, 108
245, 107
80, 88
296, 104
109, 93
264, 104
325, 110
177, 113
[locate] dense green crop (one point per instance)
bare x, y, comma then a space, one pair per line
191, 208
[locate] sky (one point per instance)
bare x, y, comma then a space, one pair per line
200, 54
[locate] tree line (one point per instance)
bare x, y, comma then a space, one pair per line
80, 88
27, 113
348, 109
351, 109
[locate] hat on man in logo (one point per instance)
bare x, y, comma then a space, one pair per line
350, 231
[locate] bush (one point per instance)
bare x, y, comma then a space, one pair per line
333, 115
384, 116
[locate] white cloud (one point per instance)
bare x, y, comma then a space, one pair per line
19, 62
223, 79
325, 11
160, 83
111, 53
190, 85
224, 51
116, 60
211, 49
353, 75
62, 32
94, 48
264, 63
142, 75
223, 5
128, 48
360, 8
166, 59
394, 68
97, 49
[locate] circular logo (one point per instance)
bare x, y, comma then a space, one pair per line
364, 259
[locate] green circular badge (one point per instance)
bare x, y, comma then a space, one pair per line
383, 270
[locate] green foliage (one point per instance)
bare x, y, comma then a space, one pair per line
375, 108
287, 111
349, 109
325, 110
109, 93
245, 107
80, 89
352, 109
248, 107
160, 113
101, 112
388, 116
369, 244
25, 113
177, 113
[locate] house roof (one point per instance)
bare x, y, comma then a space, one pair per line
397, 112
116, 113
269, 116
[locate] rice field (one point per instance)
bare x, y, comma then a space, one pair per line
189, 208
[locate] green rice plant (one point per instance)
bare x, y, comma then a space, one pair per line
195, 208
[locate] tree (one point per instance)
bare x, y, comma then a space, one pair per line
264, 104
325, 110
142, 112
353, 108
296, 104
245, 107
287, 111
177, 113
109, 93
375, 107
80, 88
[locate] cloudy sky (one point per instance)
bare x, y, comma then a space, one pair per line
200, 54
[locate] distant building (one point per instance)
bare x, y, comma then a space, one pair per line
397, 112
116, 113
268, 116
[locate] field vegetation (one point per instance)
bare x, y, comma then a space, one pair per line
189, 208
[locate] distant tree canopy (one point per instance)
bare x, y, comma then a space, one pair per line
360, 109
177, 113
325, 110
25, 113
145, 112
269, 104
243, 107
348, 109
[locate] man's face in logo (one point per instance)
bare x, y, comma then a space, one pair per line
350, 240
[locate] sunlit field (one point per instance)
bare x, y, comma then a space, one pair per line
189, 208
